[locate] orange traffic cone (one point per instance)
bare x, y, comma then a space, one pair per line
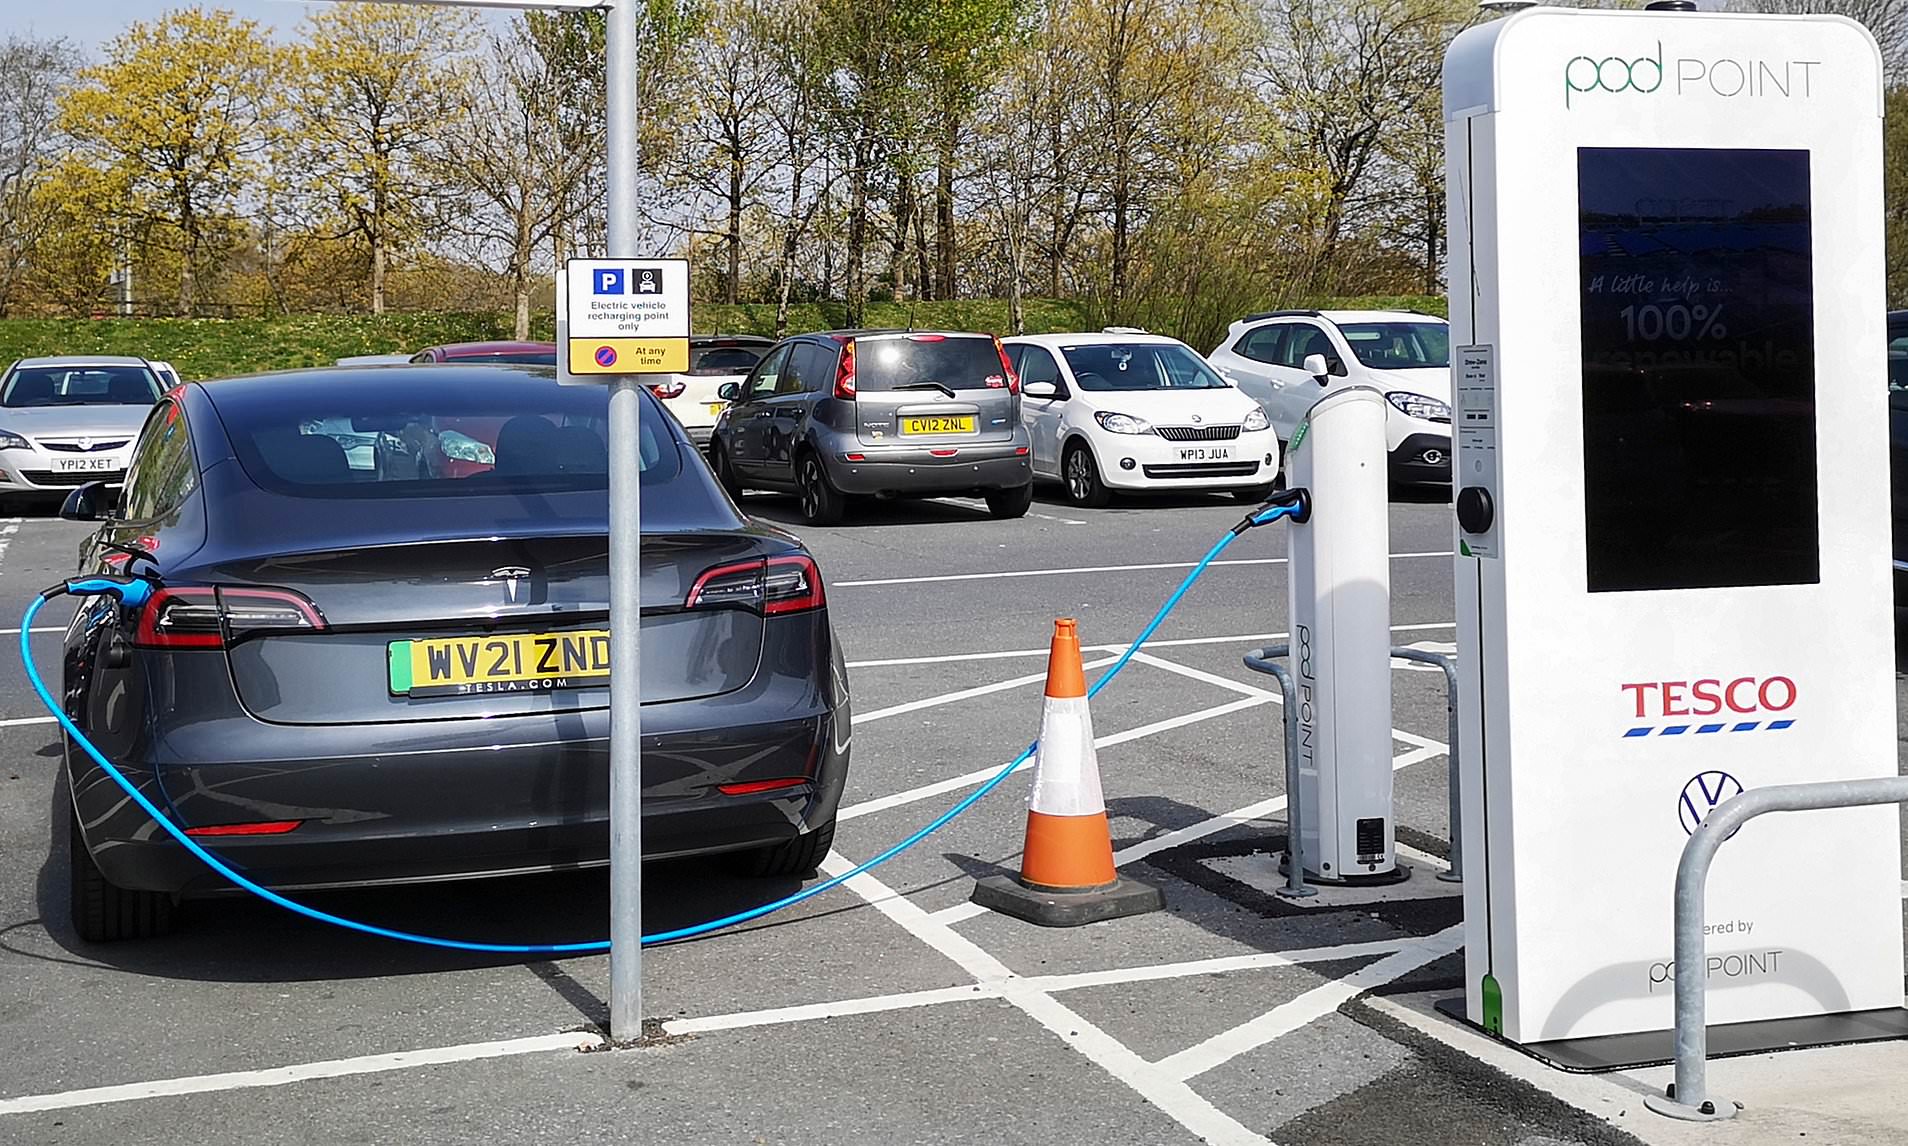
1066, 868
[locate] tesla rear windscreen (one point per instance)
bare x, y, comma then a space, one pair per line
400, 445
1698, 368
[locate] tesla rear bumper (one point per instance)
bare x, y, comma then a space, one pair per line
537, 801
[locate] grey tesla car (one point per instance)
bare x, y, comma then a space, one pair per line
70, 420
356, 674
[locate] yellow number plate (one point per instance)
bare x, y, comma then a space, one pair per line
514, 662
950, 424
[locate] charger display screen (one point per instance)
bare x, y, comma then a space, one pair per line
1698, 368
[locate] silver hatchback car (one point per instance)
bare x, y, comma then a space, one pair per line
877, 413
70, 420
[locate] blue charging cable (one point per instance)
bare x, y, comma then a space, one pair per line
134, 592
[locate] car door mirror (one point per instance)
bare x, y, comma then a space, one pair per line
90, 502
1316, 367
728, 391
1040, 390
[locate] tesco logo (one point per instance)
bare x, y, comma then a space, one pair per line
1711, 696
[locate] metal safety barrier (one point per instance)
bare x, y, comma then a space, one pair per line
1265, 661
1688, 1097
1448, 663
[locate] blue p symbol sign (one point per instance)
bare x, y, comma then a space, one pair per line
609, 281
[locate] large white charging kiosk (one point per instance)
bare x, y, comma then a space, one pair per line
1673, 578
1340, 595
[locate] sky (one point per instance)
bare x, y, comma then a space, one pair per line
90, 23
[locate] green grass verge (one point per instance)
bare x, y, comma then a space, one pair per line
211, 348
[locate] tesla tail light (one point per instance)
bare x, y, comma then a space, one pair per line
845, 371
257, 828
204, 618
751, 787
771, 587
1007, 368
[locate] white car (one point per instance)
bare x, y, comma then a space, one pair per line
168, 377
1128, 412
1289, 359
71, 420
714, 359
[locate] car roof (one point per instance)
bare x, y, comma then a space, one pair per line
313, 383
730, 340
1336, 316
872, 331
1094, 337
81, 360
478, 349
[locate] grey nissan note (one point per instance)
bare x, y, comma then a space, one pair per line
877, 413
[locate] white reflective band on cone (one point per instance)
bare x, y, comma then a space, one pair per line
1066, 769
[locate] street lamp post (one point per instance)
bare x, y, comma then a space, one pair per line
625, 530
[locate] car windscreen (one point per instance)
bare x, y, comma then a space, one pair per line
80, 386
713, 361
956, 361
357, 442
1399, 345
1140, 366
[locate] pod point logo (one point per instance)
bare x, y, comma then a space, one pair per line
1643, 74
1702, 794
1725, 77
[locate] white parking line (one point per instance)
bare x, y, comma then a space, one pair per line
862, 718
956, 783
907, 1000
19, 720
1179, 642
1172, 1097
282, 1075
14, 632
940, 577
1319, 1001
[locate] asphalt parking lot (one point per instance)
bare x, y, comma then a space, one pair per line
885, 1011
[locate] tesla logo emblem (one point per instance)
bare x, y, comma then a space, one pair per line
512, 576
1702, 794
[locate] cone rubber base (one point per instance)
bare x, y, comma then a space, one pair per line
1050, 908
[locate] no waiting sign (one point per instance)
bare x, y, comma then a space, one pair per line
626, 316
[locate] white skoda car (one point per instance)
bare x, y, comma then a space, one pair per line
1122, 412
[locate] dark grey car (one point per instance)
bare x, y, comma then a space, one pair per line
352, 674
878, 413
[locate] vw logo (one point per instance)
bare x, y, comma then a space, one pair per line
1613, 74
1702, 794
512, 576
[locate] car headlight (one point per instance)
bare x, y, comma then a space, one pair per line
1256, 420
463, 448
1419, 406
1122, 423
12, 441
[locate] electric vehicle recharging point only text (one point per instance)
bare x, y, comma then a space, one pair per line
1672, 520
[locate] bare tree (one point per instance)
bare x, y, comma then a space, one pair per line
33, 73
512, 174
1887, 19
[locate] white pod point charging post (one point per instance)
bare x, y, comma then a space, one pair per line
1673, 577
1341, 640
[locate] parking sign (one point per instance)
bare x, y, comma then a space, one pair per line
625, 316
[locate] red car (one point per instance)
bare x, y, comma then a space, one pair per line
478, 353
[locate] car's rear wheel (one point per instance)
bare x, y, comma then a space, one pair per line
1082, 477
103, 913
822, 503
1254, 495
1005, 503
730, 481
797, 857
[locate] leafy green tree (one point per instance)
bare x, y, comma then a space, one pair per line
377, 85
176, 119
